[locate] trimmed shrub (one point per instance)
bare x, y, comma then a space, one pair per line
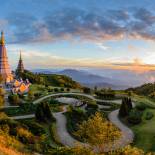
62, 89
30, 94
56, 89
141, 106
105, 94
14, 99
135, 117
68, 89
86, 90
36, 95
50, 90
92, 106
149, 115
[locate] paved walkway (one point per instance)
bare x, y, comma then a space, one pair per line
9, 106
23, 116
80, 94
64, 137
127, 134
104, 106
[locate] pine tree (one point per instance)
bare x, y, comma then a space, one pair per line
48, 111
43, 112
126, 107
130, 103
123, 109
39, 113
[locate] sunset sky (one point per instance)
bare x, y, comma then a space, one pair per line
114, 34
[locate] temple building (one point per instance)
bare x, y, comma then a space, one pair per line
5, 70
20, 86
20, 67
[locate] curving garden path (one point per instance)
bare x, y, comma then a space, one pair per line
64, 137
23, 116
127, 134
67, 140
80, 94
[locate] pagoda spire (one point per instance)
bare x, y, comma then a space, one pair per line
5, 70
20, 57
2, 41
20, 67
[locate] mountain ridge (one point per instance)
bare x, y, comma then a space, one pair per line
86, 78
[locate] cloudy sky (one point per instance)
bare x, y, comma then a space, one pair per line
117, 34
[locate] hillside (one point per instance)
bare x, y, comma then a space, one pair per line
86, 78
50, 79
60, 80
10, 143
83, 76
145, 89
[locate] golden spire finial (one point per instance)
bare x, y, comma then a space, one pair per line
2, 41
20, 55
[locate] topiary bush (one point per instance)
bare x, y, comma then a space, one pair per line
50, 90
141, 106
149, 116
105, 93
87, 90
92, 106
68, 89
14, 99
62, 89
38, 94
56, 89
135, 117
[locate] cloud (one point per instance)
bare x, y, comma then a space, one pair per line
145, 16
48, 60
102, 46
81, 24
118, 14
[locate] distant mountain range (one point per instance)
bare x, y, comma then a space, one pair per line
116, 79
126, 77
86, 78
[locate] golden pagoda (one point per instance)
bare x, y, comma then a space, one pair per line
5, 70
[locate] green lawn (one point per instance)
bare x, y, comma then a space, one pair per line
143, 99
41, 88
145, 133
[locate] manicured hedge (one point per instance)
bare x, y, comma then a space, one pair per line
135, 117
141, 106
149, 116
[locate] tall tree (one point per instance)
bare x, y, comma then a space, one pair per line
98, 132
43, 112
126, 107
